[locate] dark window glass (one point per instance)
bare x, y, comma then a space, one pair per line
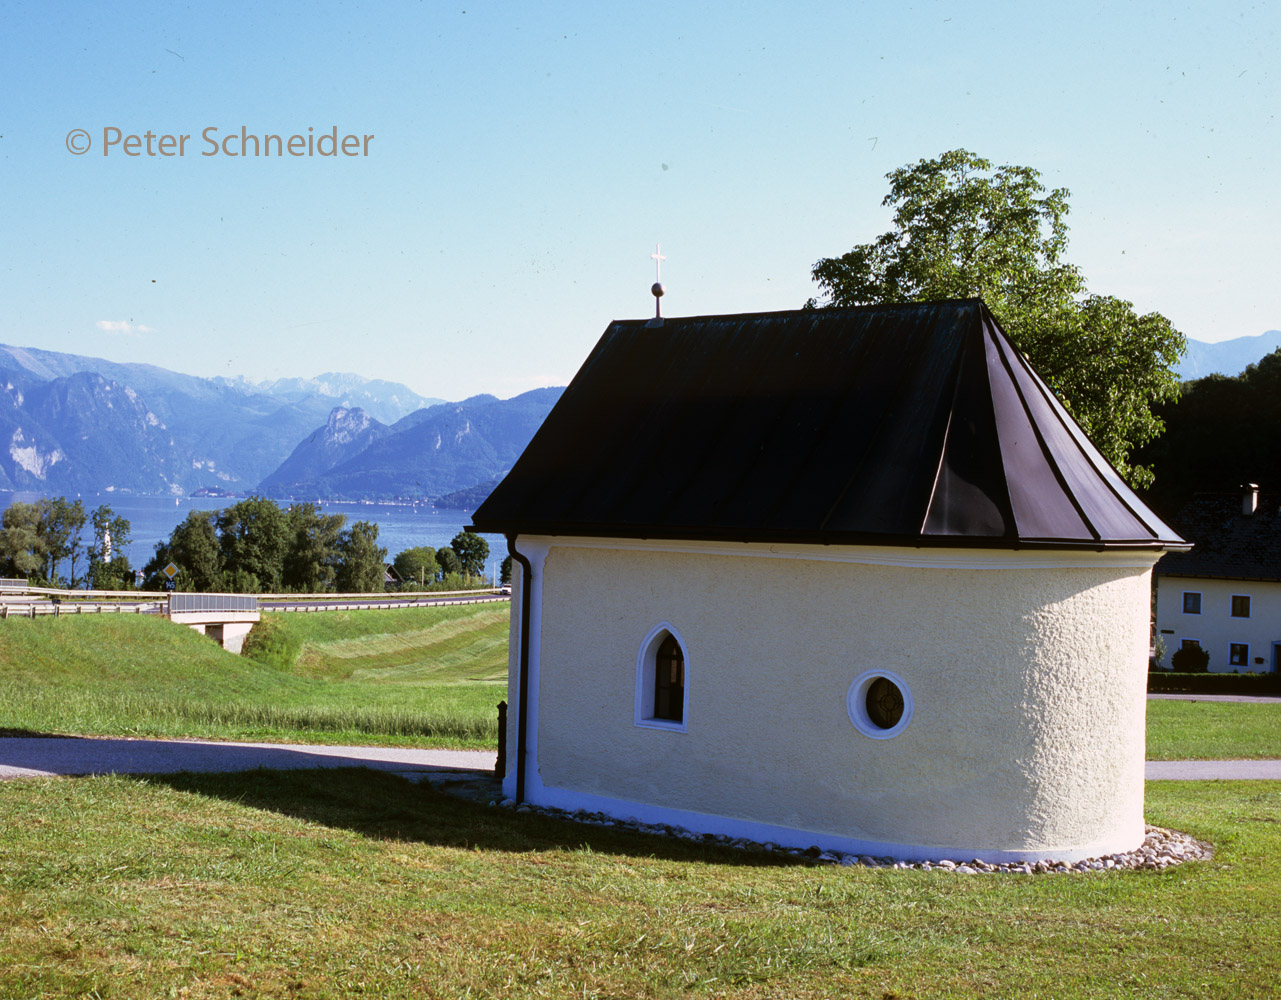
1238, 654
884, 703
1191, 603
669, 681
1240, 606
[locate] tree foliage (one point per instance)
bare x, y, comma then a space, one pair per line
472, 552
964, 229
417, 566
61, 521
361, 569
1223, 431
109, 567
22, 547
312, 556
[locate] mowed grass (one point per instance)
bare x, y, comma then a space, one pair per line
355, 883
414, 677
1213, 730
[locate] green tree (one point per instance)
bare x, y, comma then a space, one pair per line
417, 566
22, 548
61, 521
472, 551
505, 571
361, 570
962, 229
449, 562
109, 567
253, 542
193, 548
312, 556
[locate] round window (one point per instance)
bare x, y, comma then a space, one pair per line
879, 704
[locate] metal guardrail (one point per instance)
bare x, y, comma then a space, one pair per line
212, 602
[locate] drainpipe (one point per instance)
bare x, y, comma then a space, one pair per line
522, 708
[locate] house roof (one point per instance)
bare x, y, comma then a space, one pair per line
1229, 543
915, 424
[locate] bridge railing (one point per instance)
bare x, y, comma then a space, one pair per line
180, 602
13, 583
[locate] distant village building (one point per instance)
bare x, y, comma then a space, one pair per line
850, 578
1225, 595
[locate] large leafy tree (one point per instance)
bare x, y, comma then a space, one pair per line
362, 569
193, 548
22, 549
963, 228
253, 539
472, 551
61, 521
417, 567
311, 557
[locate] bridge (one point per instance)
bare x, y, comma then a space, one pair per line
225, 618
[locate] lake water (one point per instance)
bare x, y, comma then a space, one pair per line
400, 526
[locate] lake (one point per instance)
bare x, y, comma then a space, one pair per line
400, 526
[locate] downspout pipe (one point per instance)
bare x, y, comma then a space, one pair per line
522, 707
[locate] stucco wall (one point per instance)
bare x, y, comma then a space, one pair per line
1214, 628
1028, 689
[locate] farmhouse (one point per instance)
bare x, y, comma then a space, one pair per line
1225, 595
850, 578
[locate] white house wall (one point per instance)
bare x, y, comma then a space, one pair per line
1026, 670
1215, 628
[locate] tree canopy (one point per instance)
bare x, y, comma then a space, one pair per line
963, 228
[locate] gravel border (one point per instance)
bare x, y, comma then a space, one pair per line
1160, 849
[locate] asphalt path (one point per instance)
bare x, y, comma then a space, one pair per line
42, 756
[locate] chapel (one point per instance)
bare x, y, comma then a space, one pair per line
851, 578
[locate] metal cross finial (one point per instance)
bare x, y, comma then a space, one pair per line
658, 258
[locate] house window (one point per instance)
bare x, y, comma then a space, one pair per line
1190, 644
662, 695
1191, 602
1240, 605
1239, 654
879, 704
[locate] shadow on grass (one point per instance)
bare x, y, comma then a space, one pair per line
385, 806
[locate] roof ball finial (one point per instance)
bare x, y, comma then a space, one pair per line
657, 287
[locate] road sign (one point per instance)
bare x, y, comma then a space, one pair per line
170, 571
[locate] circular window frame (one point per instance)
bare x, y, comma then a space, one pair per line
856, 704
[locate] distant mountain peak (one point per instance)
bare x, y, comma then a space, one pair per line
1226, 357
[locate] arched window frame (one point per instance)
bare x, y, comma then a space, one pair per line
646, 661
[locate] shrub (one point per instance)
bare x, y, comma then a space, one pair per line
270, 643
1190, 660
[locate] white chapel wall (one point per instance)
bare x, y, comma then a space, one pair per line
1028, 687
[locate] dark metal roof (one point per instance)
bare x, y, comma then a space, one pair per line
1230, 544
913, 424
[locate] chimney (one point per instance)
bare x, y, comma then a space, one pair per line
1249, 498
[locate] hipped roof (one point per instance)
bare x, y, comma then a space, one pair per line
915, 424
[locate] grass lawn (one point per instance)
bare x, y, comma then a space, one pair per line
353, 883
1213, 730
414, 677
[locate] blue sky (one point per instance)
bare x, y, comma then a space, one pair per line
527, 157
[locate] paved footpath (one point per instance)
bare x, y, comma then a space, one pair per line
35, 756
38, 756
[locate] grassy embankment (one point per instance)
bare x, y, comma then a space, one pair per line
414, 677
336, 884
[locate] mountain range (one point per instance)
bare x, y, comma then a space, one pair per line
71, 424
1227, 357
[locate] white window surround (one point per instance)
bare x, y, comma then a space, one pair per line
856, 704
644, 713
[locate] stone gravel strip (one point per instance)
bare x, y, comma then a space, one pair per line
1160, 849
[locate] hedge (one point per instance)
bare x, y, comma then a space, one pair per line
1168, 682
